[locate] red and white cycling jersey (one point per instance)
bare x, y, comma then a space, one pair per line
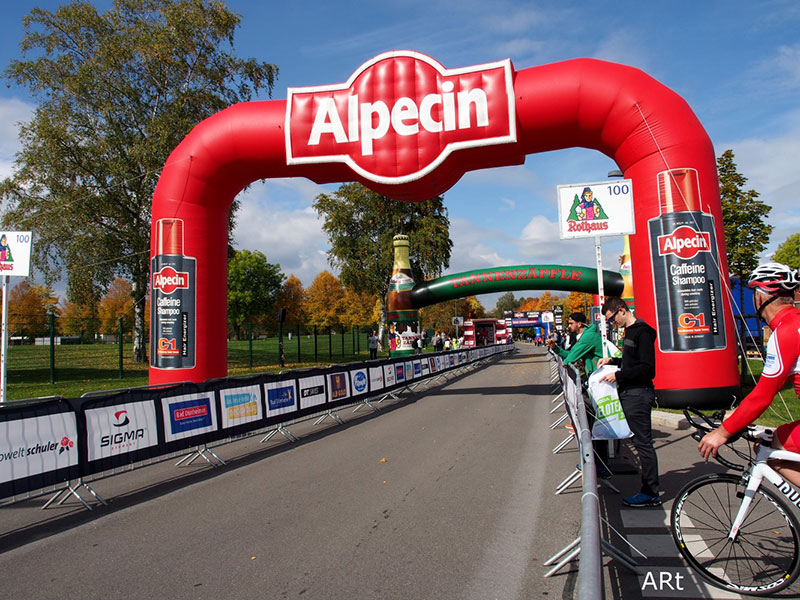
782, 363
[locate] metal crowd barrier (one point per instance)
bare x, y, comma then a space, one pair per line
72, 486
590, 545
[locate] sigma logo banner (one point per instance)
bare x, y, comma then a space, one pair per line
359, 381
339, 386
376, 378
120, 429
240, 405
37, 445
312, 391
389, 375
400, 115
281, 397
189, 415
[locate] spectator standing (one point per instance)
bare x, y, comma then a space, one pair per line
372, 344
634, 379
588, 350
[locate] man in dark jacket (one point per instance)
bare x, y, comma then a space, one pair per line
636, 392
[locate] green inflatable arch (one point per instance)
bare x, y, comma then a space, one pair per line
518, 277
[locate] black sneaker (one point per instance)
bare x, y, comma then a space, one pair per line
641, 500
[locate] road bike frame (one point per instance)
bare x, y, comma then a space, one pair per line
760, 471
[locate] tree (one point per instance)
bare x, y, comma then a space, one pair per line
505, 302
117, 303
743, 215
361, 224
439, 317
357, 308
577, 302
78, 319
254, 286
529, 304
117, 92
292, 298
29, 307
546, 301
788, 252
323, 300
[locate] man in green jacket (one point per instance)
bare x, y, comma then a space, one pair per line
589, 346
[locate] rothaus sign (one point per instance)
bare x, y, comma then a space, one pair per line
400, 115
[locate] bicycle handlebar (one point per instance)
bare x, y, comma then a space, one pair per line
710, 424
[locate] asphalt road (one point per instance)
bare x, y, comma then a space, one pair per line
447, 493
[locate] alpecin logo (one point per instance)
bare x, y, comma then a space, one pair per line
168, 280
684, 242
400, 115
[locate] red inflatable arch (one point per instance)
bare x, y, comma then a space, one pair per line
409, 129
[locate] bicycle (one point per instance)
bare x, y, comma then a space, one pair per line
735, 532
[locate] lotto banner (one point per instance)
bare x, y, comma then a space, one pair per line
38, 447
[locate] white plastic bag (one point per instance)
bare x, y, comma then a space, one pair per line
610, 422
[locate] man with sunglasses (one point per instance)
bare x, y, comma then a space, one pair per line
774, 290
634, 379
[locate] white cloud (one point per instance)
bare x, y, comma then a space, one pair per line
770, 164
12, 113
624, 47
291, 237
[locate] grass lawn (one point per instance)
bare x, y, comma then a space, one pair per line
93, 367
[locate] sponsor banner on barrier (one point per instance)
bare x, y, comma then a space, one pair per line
432, 364
189, 415
281, 397
390, 373
359, 382
409, 370
417, 368
312, 391
400, 372
375, 378
425, 367
37, 445
339, 386
240, 405
120, 429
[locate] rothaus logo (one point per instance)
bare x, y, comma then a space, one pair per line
168, 280
684, 242
400, 115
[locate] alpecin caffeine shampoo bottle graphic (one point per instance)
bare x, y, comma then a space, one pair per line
686, 274
172, 300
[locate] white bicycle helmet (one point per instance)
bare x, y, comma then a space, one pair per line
774, 279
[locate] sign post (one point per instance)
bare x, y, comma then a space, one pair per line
15, 259
596, 210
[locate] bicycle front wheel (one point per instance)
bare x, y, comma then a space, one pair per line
762, 559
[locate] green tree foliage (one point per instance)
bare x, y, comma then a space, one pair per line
743, 216
361, 224
254, 287
505, 302
788, 252
117, 92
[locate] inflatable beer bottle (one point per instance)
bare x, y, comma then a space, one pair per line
400, 310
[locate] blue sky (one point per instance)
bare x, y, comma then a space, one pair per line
736, 63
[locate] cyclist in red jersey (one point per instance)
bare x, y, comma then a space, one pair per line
774, 287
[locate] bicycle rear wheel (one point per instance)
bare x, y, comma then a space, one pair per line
764, 557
